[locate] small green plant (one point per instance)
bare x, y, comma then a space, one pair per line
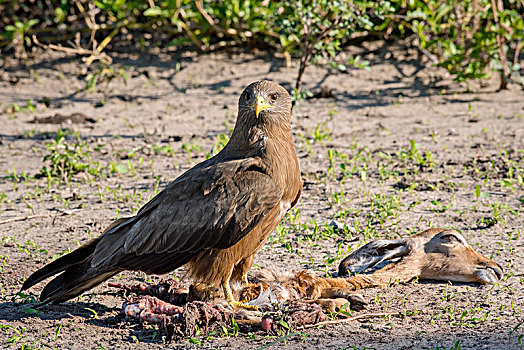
24, 298
165, 149
321, 133
13, 334
17, 34
439, 207
65, 159
415, 158
3, 262
455, 346
118, 168
384, 208
300, 95
222, 140
355, 62
479, 194
93, 313
190, 148
103, 73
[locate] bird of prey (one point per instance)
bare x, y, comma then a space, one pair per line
214, 217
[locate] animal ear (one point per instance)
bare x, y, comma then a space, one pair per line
371, 254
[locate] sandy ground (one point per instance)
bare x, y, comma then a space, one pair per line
166, 112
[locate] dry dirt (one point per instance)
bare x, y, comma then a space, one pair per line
183, 102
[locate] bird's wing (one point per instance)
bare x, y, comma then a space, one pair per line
210, 206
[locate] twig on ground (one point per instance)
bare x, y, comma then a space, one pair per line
350, 319
75, 50
428, 54
29, 217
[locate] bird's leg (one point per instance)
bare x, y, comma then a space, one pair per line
245, 280
241, 269
228, 293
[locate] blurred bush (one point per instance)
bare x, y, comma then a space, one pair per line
469, 38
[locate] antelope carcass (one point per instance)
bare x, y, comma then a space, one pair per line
437, 254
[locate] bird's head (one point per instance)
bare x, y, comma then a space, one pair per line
265, 101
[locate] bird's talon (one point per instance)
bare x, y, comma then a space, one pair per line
244, 305
245, 281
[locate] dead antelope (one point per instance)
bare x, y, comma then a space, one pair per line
437, 254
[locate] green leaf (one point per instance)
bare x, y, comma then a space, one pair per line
60, 14
101, 5
283, 324
58, 330
30, 23
178, 41
120, 168
31, 311
155, 11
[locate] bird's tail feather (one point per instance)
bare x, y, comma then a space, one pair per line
61, 264
76, 275
63, 287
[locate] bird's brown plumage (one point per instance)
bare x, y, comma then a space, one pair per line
215, 216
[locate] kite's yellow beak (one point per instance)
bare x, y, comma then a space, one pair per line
260, 105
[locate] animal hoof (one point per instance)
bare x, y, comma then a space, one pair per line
357, 302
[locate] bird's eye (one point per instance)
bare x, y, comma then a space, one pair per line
273, 96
